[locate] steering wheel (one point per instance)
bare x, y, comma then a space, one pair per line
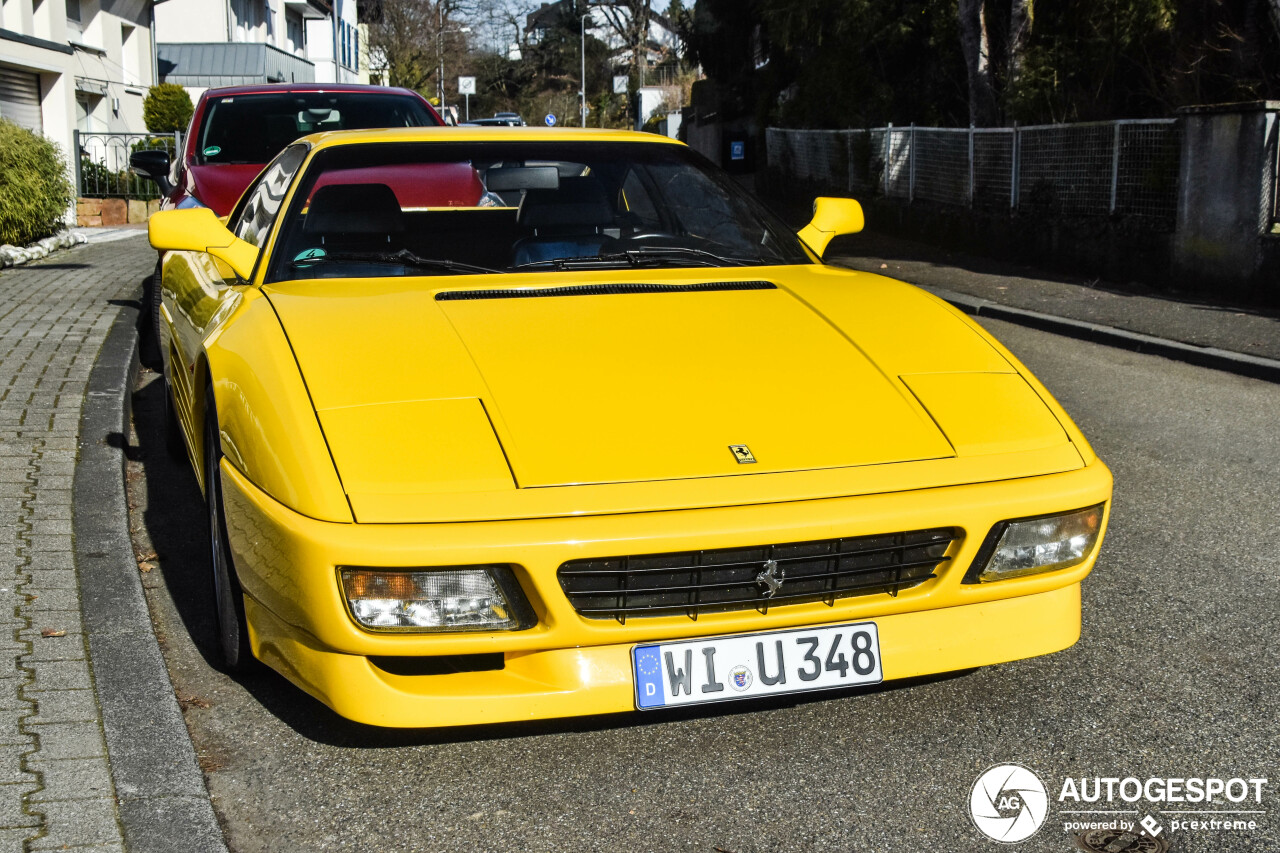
651, 235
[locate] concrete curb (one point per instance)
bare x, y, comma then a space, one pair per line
163, 802
1242, 364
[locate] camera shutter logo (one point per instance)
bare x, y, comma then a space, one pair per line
1008, 803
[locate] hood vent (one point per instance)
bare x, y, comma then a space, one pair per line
601, 290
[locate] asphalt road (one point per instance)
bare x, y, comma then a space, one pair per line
1177, 675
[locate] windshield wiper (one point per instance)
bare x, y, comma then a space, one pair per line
640, 256
659, 252
403, 258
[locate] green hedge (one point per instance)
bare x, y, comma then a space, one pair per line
35, 193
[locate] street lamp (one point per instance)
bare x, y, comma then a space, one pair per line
440, 34
582, 95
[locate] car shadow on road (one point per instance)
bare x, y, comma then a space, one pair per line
174, 519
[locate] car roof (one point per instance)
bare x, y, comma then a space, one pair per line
278, 88
480, 133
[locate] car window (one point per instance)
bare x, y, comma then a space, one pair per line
254, 128
637, 200
258, 208
386, 209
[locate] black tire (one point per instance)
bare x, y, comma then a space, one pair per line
228, 597
151, 343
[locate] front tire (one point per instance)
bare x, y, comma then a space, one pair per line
151, 296
228, 597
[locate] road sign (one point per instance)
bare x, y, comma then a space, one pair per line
550, 120
466, 85
620, 84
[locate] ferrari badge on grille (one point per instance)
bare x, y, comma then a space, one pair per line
770, 579
742, 453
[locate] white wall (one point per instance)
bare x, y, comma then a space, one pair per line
188, 21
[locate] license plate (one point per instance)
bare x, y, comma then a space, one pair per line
717, 669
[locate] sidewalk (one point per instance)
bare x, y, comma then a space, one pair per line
1241, 340
57, 788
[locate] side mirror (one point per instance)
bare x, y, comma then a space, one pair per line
831, 218
198, 229
152, 164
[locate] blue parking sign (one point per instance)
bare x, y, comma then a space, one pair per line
737, 150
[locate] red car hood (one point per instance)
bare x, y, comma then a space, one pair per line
220, 185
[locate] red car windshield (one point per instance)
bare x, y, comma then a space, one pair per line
255, 128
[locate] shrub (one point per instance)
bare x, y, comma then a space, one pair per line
35, 193
167, 108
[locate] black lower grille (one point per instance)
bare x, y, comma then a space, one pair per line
724, 579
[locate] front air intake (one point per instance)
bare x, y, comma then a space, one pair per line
600, 290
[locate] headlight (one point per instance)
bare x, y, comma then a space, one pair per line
1029, 546
480, 598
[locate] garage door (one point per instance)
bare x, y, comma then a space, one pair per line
20, 98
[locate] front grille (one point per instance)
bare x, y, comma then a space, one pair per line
694, 582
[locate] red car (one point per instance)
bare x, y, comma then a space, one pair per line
237, 130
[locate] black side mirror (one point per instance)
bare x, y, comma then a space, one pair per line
152, 164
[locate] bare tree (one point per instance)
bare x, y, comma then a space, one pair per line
630, 20
407, 38
976, 48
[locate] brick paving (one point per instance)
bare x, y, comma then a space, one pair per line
55, 783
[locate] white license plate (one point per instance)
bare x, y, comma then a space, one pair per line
716, 669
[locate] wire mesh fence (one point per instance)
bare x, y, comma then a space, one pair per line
1127, 168
102, 169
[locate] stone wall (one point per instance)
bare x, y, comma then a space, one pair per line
92, 212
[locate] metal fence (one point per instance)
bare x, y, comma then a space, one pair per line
102, 167
1127, 168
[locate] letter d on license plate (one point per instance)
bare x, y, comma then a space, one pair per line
716, 669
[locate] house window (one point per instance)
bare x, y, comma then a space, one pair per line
74, 25
293, 33
249, 15
128, 55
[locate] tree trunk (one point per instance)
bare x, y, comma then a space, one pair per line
973, 43
1019, 33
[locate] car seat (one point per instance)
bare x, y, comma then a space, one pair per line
354, 218
568, 222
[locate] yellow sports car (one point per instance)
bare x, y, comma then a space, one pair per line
511, 424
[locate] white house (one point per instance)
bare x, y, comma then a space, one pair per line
206, 43
69, 65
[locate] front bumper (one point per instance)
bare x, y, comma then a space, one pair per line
598, 680
570, 665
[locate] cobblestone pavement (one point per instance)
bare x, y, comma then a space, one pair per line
55, 783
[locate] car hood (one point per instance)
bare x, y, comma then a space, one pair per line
220, 185
444, 385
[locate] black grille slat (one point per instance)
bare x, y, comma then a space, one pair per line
724, 579
782, 561
747, 603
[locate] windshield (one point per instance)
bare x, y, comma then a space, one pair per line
452, 208
255, 128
